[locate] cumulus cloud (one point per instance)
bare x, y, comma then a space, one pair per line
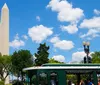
71, 29
25, 37
92, 33
93, 26
59, 58
62, 44
38, 18
39, 33
97, 12
91, 23
16, 43
78, 56
65, 11
54, 39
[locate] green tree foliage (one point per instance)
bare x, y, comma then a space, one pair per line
5, 66
72, 77
51, 60
20, 60
96, 57
42, 55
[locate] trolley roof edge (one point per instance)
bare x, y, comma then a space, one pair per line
64, 66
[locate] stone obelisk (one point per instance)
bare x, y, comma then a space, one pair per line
4, 31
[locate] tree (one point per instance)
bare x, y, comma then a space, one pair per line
5, 66
42, 55
51, 60
20, 60
96, 57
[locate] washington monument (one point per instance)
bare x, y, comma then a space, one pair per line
4, 30
4, 33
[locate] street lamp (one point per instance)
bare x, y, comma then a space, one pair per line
86, 50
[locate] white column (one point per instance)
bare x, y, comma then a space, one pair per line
5, 30
4, 34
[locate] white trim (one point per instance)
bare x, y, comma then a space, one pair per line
62, 67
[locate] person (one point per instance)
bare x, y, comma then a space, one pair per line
89, 82
99, 82
53, 81
82, 82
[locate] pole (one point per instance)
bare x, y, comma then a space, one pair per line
87, 57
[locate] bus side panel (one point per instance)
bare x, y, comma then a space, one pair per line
62, 77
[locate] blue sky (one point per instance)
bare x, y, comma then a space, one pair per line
62, 24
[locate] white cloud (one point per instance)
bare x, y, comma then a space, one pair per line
78, 56
39, 33
62, 44
92, 33
25, 37
16, 36
60, 58
38, 18
71, 29
91, 23
65, 10
55, 39
93, 26
16, 43
97, 12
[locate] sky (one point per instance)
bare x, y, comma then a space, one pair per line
62, 24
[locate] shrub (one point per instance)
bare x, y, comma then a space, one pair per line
1, 82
